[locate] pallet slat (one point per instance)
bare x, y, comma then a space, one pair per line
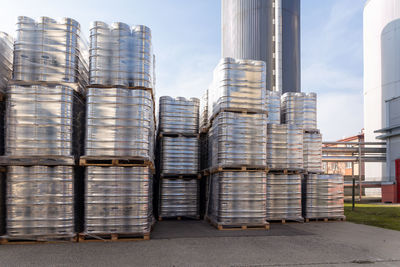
37, 160
111, 161
236, 227
342, 219
38, 240
113, 237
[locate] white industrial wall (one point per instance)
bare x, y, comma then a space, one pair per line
381, 72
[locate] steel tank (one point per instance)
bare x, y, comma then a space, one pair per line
237, 198
284, 147
284, 197
121, 55
6, 59
238, 139
179, 115
118, 200
179, 155
248, 32
49, 50
40, 202
120, 122
291, 59
44, 120
179, 197
324, 196
273, 103
237, 84
312, 151
299, 109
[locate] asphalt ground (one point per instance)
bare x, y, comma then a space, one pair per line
196, 243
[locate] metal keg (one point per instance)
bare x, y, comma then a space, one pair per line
118, 200
273, 103
179, 197
40, 202
120, 122
312, 151
6, 59
238, 197
284, 197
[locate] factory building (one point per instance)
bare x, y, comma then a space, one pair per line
381, 79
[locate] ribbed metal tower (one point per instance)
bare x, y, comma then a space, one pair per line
267, 30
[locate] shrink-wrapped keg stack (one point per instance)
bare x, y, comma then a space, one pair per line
44, 129
179, 158
120, 133
323, 196
237, 140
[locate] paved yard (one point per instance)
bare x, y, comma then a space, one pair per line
190, 243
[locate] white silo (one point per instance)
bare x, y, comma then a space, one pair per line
381, 72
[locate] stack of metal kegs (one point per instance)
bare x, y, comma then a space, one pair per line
237, 141
323, 196
120, 133
6, 58
44, 128
179, 158
285, 163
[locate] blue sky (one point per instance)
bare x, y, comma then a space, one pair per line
186, 39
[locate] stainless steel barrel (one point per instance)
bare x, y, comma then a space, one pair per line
179, 115
300, 109
312, 151
179, 197
40, 202
284, 197
273, 103
6, 59
121, 55
179, 155
43, 120
237, 84
324, 196
204, 111
120, 122
238, 197
237, 139
118, 200
285, 147
50, 50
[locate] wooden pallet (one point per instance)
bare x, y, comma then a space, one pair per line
178, 218
175, 134
180, 176
311, 131
286, 171
237, 110
236, 227
284, 221
114, 161
341, 219
36, 240
236, 169
37, 160
114, 237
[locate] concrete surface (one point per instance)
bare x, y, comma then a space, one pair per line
190, 243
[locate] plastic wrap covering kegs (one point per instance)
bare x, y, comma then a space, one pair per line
120, 122
312, 151
40, 201
237, 139
50, 50
238, 197
179, 155
284, 197
118, 200
179, 115
300, 109
285, 147
237, 84
179, 197
324, 196
6, 59
121, 55
274, 107
2, 203
44, 120
204, 111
